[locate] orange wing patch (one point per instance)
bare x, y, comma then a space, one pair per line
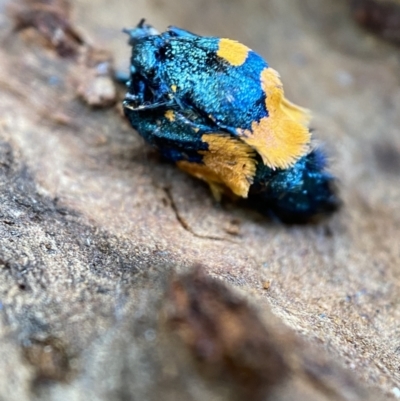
297, 113
233, 52
204, 173
282, 137
228, 162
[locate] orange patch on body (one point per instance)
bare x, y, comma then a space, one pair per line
282, 137
233, 52
228, 162
169, 115
204, 173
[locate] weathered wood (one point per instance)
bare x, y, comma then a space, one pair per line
99, 238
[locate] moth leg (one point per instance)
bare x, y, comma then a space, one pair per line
142, 97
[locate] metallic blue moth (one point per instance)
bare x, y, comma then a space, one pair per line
217, 109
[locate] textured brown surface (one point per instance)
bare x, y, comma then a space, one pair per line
379, 16
96, 232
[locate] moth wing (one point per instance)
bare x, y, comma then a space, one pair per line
228, 161
282, 137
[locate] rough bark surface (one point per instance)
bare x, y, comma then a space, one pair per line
121, 279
